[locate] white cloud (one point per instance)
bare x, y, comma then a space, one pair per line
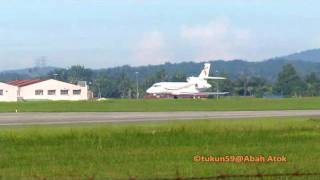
217, 39
152, 49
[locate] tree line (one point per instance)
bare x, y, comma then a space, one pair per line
122, 84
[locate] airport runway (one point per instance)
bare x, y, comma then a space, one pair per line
120, 117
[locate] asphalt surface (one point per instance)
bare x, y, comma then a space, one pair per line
120, 117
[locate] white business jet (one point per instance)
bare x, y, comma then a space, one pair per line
194, 87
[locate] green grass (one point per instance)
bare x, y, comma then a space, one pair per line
157, 149
224, 104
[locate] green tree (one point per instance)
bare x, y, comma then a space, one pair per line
124, 85
178, 77
101, 86
241, 85
251, 86
257, 86
79, 73
161, 75
289, 82
313, 84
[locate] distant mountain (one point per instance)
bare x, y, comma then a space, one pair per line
312, 55
305, 62
268, 69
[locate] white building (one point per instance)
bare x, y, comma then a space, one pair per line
44, 90
8, 92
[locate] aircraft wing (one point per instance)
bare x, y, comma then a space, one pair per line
214, 78
201, 93
216, 93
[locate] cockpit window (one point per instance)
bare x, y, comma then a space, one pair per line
156, 85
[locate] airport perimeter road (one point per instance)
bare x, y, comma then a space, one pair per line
120, 117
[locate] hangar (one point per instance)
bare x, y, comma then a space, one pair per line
39, 89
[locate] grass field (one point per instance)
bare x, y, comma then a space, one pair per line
224, 104
157, 149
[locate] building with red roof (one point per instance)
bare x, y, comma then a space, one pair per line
21, 83
43, 89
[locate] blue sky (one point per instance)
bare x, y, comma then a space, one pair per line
101, 33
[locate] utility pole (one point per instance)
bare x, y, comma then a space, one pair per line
245, 85
217, 83
217, 90
41, 62
137, 83
99, 90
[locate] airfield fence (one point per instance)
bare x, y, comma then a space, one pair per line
295, 175
260, 176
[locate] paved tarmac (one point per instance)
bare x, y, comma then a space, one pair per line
121, 117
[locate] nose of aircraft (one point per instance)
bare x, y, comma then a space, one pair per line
149, 91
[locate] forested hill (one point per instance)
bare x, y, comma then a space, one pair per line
233, 69
294, 75
305, 62
26, 73
312, 55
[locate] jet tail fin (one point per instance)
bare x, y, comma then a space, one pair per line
205, 72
